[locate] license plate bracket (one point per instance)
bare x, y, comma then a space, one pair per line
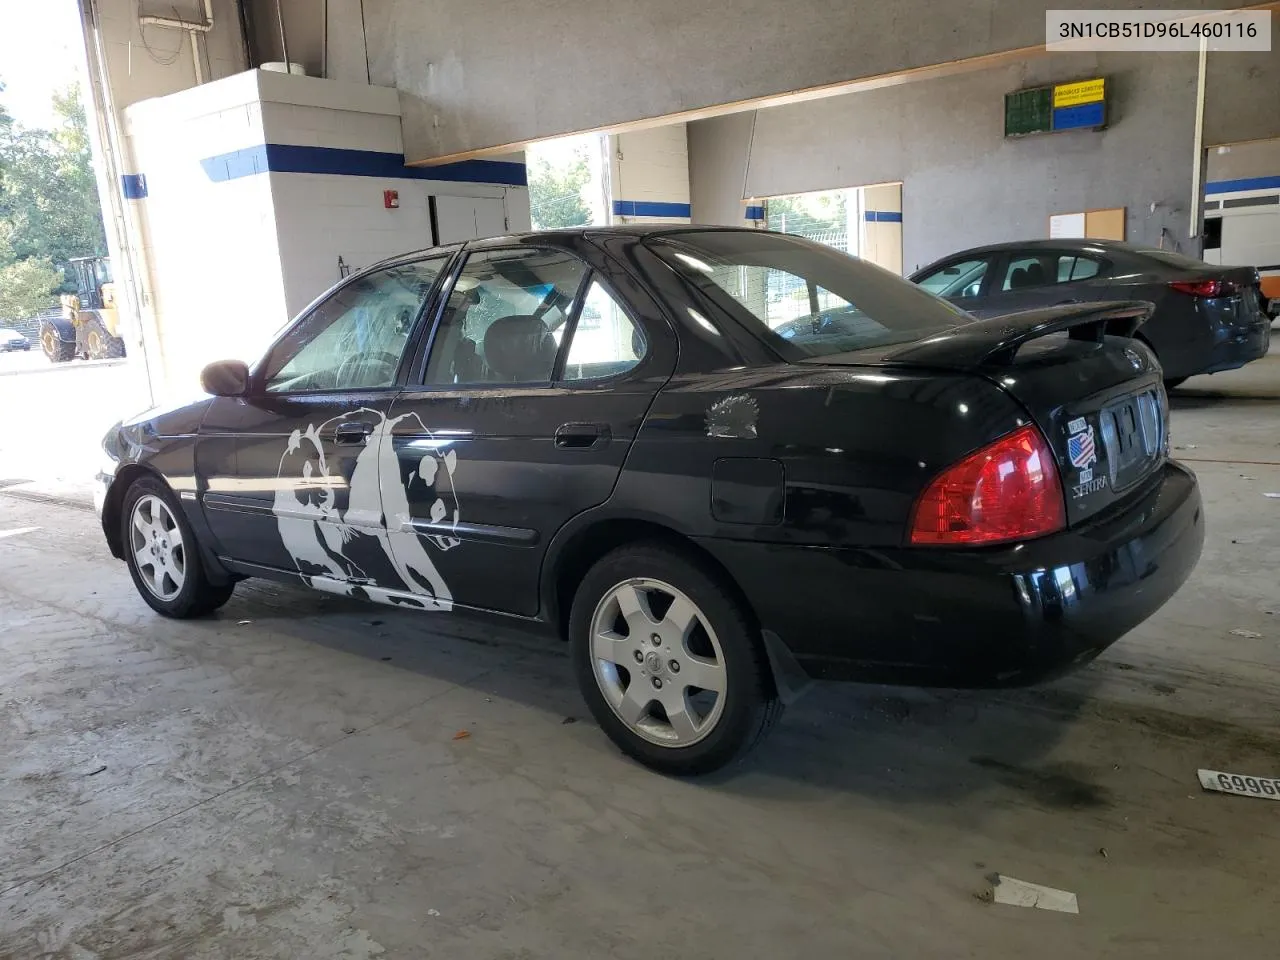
1132, 436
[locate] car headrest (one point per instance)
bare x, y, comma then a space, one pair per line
519, 349
1035, 274
1018, 278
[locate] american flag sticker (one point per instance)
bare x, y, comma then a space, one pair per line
1080, 448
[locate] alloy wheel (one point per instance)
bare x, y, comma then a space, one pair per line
658, 662
158, 550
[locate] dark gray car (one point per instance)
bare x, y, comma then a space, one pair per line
1207, 318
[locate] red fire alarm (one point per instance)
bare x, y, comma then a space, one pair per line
391, 199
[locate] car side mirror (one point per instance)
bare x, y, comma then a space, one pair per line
226, 378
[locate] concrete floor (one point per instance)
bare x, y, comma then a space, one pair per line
284, 780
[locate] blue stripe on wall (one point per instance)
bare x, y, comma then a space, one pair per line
754, 213
649, 208
291, 158
1249, 183
883, 216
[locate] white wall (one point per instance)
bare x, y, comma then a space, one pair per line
151, 61
650, 166
257, 184
320, 217
209, 248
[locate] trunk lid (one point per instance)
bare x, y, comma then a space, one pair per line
1096, 394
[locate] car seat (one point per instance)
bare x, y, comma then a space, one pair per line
520, 349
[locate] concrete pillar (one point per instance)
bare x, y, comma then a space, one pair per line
649, 175
882, 225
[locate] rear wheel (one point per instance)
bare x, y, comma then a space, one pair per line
99, 343
669, 661
163, 556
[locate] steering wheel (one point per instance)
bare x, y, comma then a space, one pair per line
377, 367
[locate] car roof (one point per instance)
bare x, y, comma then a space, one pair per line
1068, 244
1062, 243
635, 230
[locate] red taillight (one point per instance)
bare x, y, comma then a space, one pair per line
1008, 490
1204, 288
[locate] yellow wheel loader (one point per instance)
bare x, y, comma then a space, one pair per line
89, 327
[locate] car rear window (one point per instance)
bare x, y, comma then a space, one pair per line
803, 298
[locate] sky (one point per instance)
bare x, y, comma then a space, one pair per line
40, 52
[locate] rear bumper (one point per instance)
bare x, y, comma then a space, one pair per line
1240, 345
1004, 616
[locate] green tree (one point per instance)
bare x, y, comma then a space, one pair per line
808, 214
27, 287
48, 194
555, 193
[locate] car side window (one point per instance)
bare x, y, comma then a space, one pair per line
962, 279
506, 317
355, 338
1077, 268
1037, 271
605, 341
1047, 269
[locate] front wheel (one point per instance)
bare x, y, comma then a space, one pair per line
54, 347
669, 661
163, 556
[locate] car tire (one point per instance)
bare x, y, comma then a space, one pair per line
1173, 383
704, 730
172, 582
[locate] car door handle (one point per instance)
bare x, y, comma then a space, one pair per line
1063, 303
352, 433
581, 436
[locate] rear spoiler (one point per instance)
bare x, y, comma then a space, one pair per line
995, 342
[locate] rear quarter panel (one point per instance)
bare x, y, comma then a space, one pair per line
855, 447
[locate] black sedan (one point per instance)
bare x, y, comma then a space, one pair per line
602, 432
1207, 318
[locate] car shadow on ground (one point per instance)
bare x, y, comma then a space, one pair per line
879, 741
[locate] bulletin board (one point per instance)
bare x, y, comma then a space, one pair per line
1104, 224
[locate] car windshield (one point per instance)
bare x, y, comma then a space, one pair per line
802, 298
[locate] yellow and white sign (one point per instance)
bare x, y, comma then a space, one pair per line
1074, 94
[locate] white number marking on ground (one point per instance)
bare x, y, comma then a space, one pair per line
1267, 788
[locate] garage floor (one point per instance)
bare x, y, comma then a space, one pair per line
286, 780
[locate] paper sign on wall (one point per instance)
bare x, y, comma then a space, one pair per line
1062, 225
1074, 94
